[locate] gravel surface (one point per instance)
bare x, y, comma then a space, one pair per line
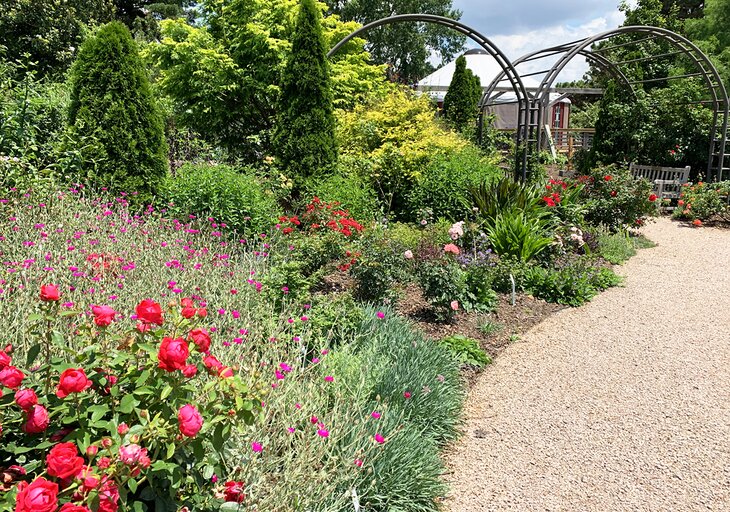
623, 404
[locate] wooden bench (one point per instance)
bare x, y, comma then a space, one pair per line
667, 181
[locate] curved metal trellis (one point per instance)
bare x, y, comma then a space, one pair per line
508, 70
717, 159
532, 106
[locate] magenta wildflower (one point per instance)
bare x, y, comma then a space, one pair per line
329, 378
257, 447
380, 315
380, 439
323, 432
375, 414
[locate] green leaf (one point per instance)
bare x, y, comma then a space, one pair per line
166, 392
132, 484
32, 354
35, 317
138, 506
98, 412
126, 406
230, 506
170, 450
69, 313
142, 379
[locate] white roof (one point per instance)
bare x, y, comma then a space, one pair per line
481, 64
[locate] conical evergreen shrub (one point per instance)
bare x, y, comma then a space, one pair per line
304, 137
462, 98
113, 117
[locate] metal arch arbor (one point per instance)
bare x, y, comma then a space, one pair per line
717, 158
508, 70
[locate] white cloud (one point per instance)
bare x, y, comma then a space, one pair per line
517, 45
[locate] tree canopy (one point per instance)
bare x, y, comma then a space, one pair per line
406, 48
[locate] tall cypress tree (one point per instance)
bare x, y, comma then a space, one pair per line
304, 137
112, 106
462, 98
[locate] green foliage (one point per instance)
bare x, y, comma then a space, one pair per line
48, 32
462, 98
379, 269
514, 234
335, 318
615, 199
445, 185
615, 247
466, 350
399, 136
444, 286
225, 78
572, 285
494, 198
238, 199
353, 192
112, 102
304, 138
407, 48
704, 201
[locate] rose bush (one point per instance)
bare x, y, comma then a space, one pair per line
114, 425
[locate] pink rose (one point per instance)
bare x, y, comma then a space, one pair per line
26, 398
11, 377
38, 496
36, 420
103, 315
190, 420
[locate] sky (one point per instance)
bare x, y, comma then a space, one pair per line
521, 26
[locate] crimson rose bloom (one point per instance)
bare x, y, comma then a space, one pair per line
103, 315
212, 364
11, 377
50, 293
201, 339
26, 398
63, 460
37, 420
190, 420
108, 496
5, 360
173, 354
71, 507
73, 380
40, 496
234, 491
149, 311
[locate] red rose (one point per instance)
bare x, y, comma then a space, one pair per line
202, 312
212, 364
225, 372
103, 315
233, 491
26, 398
73, 380
190, 420
40, 496
613, 193
188, 312
11, 377
63, 460
89, 481
607, 177
108, 497
201, 339
49, 293
190, 371
149, 311
652, 197
4, 360
70, 507
173, 354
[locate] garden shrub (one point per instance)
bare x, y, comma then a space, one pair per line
445, 185
615, 199
304, 137
350, 190
237, 199
444, 286
615, 247
704, 201
572, 285
516, 235
492, 199
399, 135
112, 102
466, 350
379, 269
462, 98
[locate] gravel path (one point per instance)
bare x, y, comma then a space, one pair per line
620, 405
